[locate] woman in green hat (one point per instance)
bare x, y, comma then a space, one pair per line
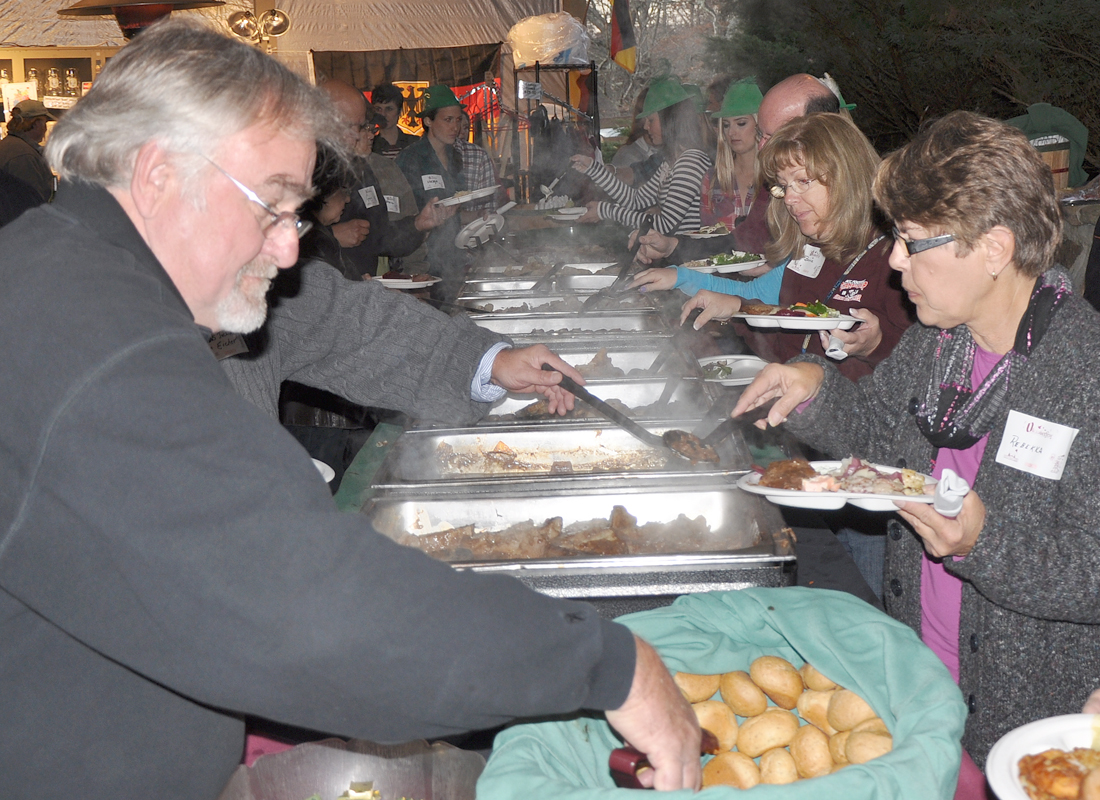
730, 188
672, 120
433, 169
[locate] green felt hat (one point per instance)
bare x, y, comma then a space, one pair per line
438, 96
742, 99
664, 92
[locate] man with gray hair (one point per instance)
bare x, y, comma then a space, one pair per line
171, 562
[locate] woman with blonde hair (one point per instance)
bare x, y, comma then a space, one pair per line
729, 189
826, 246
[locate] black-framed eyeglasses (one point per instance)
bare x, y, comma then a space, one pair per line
278, 219
914, 246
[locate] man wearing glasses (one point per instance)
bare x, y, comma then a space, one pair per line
170, 561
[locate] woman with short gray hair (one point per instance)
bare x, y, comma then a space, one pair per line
999, 384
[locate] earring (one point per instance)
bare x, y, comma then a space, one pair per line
993, 275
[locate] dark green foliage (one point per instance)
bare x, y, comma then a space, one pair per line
905, 61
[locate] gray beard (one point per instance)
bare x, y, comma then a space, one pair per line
244, 309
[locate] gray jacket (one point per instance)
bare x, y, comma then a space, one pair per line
1029, 634
364, 342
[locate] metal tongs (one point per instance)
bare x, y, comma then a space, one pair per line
616, 287
733, 423
665, 441
627, 763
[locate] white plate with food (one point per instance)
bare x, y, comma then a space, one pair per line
830, 500
479, 231
566, 217
840, 322
731, 370
570, 211
409, 283
1066, 733
466, 197
705, 235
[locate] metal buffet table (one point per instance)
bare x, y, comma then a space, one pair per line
576, 507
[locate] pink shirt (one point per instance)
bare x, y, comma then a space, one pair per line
941, 592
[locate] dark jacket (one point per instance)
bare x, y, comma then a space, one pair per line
1030, 620
387, 237
171, 562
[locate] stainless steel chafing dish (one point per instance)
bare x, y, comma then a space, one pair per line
474, 460
563, 284
537, 270
552, 326
638, 353
690, 400
747, 544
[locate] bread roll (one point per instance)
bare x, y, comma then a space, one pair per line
718, 718
836, 747
863, 746
814, 679
810, 750
742, 695
696, 688
731, 769
777, 766
847, 709
813, 706
774, 728
779, 680
874, 724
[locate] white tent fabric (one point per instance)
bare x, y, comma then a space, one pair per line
355, 25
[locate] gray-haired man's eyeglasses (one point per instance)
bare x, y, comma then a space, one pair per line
284, 219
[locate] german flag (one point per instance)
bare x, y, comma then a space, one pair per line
622, 35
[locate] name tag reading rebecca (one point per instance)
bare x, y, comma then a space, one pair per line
432, 182
393, 204
1035, 446
810, 264
369, 194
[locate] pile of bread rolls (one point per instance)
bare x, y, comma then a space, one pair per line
842, 728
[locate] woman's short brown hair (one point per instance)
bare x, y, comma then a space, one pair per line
964, 174
837, 154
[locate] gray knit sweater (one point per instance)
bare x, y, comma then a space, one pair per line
1029, 634
366, 343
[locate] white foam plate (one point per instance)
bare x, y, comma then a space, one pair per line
327, 472
398, 283
843, 322
476, 194
699, 235
830, 501
744, 266
1067, 732
743, 369
564, 217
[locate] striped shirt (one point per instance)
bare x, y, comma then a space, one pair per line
675, 190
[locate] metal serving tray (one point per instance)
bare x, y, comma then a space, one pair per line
638, 353
427, 459
748, 544
563, 283
690, 400
553, 326
512, 271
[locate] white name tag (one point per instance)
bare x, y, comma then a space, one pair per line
810, 264
1034, 445
432, 182
369, 195
224, 344
393, 204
